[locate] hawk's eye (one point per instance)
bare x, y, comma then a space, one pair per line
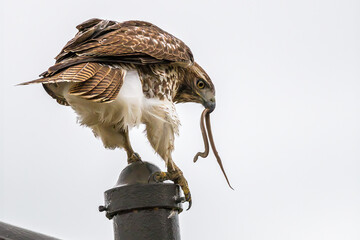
200, 84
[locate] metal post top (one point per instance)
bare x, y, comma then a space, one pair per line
137, 172
136, 190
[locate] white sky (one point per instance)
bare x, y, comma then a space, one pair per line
287, 75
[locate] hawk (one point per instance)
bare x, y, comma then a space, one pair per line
119, 75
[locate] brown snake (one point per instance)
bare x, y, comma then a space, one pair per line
205, 117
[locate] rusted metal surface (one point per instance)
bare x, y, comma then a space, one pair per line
142, 209
10, 232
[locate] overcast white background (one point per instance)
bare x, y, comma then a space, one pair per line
287, 123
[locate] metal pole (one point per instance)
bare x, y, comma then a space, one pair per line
10, 232
143, 210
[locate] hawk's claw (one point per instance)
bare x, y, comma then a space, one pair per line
178, 178
135, 157
189, 200
158, 177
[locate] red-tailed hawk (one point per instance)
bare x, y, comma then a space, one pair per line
119, 75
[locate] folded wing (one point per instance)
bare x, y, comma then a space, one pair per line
91, 58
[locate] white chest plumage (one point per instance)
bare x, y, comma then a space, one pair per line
129, 109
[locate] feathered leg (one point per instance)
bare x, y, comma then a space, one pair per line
160, 133
132, 156
116, 138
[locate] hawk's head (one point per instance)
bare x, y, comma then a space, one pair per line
196, 87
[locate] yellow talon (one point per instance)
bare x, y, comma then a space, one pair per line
178, 178
163, 175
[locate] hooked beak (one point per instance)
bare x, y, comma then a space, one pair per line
210, 104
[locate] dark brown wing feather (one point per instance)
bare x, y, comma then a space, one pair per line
102, 87
94, 81
77, 73
112, 89
135, 42
87, 59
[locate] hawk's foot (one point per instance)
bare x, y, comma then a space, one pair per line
135, 157
178, 178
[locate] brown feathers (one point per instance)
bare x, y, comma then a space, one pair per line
78, 73
89, 57
93, 81
102, 87
135, 42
